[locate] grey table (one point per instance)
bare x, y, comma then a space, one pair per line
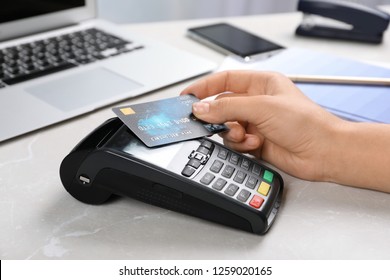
40, 220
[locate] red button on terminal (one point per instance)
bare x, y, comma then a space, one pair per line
256, 201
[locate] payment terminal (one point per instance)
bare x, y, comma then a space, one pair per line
198, 177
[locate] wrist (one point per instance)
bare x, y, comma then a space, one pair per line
360, 156
340, 152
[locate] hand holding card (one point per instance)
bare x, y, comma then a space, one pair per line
166, 121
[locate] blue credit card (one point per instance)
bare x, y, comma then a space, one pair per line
166, 121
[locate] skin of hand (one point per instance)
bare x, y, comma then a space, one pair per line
270, 118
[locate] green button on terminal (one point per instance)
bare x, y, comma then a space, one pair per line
268, 176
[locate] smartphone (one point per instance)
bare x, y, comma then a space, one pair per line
198, 177
229, 39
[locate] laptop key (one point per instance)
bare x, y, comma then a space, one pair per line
39, 58
33, 75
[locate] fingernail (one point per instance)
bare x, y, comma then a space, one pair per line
201, 108
252, 141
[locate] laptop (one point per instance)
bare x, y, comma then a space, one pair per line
58, 61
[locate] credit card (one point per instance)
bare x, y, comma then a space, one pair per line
166, 121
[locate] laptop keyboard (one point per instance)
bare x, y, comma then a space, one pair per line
39, 58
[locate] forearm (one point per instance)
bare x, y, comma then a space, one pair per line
361, 156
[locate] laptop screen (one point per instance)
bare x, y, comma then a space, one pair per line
20, 9
19, 18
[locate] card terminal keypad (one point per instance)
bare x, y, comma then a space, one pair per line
229, 173
219, 184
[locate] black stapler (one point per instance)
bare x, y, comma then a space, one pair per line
359, 22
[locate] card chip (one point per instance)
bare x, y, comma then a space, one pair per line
127, 111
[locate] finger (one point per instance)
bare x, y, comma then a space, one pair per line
253, 109
230, 81
231, 94
249, 144
244, 124
236, 132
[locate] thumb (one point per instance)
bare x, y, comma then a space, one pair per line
247, 108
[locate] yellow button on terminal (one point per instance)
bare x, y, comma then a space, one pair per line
264, 188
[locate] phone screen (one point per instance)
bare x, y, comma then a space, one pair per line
234, 40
